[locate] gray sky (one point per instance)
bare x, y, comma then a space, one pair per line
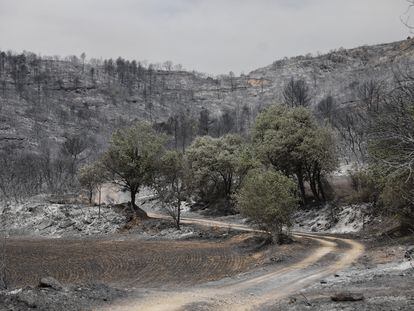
212, 36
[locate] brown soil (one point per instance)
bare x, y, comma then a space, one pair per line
126, 262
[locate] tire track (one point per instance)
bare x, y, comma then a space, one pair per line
256, 290
135, 263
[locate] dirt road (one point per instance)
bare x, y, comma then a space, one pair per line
257, 289
182, 275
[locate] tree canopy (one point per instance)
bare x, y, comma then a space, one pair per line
219, 166
133, 157
290, 140
268, 198
173, 183
91, 178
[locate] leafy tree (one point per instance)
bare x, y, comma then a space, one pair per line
398, 198
268, 198
320, 159
173, 184
91, 177
219, 166
290, 140
133, 157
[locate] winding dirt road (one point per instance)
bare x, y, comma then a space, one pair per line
182, 275
257, 289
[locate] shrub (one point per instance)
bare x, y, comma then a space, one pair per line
269, 199
365, 187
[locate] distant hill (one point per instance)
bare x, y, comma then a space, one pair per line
48, 98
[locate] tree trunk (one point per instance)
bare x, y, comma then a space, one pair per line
178, 220
299, 176
312, 184
312, 177
320, 186
227, 206
277, 235
90, 196
99, 201
138, 211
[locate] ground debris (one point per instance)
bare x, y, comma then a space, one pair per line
47, 298
409, 253
50, 283
346, 296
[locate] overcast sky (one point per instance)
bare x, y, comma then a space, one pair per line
212, 36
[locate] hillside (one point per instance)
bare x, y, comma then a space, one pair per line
49, 97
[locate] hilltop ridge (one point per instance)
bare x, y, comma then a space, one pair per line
50, 97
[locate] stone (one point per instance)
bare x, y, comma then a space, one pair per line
28, 298
344, 296
3, 284
409, 252
66, 224
49, 282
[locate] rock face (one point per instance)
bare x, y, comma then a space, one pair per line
54, 97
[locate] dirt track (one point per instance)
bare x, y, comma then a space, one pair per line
257, 289
201, 270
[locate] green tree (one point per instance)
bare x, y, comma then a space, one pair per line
319, 149
290, 140
268, 198
218, 166
173, 184
91, 177
132, 159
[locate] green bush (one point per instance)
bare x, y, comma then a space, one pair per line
269, 199
365, 187
218, 167
397, 197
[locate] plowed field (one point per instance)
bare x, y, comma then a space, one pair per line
127, 263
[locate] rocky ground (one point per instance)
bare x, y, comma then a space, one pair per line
42, 216
60, 218
54, 296
102, 256
334, 219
